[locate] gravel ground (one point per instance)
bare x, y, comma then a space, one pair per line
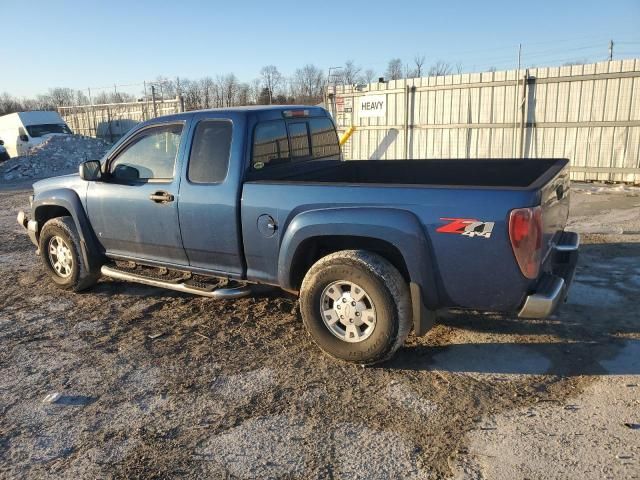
155, 384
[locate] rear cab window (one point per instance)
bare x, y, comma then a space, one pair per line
324, 139
291, 141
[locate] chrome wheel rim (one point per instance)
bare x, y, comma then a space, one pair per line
348, 311
60, 257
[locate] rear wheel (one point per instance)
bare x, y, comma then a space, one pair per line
60, 251
356, 306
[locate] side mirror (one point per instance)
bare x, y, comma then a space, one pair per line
1, 142
90, 170
24, 138
126, 173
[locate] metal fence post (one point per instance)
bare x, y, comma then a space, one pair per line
523, 112
153, 100
406, 120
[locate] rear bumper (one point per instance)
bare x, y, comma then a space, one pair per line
30, 225
553, 286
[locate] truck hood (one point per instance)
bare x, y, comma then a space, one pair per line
72, 181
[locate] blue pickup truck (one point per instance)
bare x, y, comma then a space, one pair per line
211, 202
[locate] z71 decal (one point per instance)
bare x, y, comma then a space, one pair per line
469, 227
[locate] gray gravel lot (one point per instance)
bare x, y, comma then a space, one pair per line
236, 389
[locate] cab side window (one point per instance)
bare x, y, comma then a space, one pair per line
150, 156
209, 157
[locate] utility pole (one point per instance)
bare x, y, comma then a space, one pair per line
610, 50
145, 108
519, 56
153, 100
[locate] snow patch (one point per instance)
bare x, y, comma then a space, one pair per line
57, 155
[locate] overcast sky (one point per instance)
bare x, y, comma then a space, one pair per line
73, 44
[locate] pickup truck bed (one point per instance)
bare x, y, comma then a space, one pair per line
453, 270
504, 173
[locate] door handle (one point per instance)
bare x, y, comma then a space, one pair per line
161, 197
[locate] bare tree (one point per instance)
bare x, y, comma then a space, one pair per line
244, 94
459, 68
368, 76
230, 89
306, 86
418, 61
165, 87
190, 91
62, 97
10, 104
272, 79
350, 73
206, 92
394, 69
439, 69
40, 102
255, 87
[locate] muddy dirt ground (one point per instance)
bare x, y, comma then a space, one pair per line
157, 384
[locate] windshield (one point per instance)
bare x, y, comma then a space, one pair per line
40, 130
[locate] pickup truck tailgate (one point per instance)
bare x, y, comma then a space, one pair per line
554, 200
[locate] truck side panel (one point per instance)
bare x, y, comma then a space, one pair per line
471, 271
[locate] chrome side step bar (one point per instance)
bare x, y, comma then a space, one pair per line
219, 293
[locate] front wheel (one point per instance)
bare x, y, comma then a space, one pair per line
356, 306
60, 251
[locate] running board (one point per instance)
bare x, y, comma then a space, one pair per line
219, 293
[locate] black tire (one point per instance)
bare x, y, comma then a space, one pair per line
385, 287
80, 277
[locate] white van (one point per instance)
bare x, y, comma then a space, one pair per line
22, 130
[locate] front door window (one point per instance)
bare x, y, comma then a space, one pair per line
150, 156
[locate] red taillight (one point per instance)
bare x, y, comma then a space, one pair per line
525, 233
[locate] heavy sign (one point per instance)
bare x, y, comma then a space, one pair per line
372, 105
